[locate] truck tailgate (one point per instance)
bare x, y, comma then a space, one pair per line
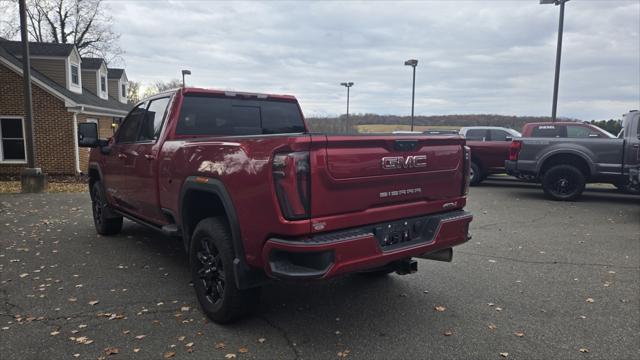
385, 176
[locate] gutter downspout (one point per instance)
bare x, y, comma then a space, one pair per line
75, 141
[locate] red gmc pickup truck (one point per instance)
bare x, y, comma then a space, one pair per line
255, 196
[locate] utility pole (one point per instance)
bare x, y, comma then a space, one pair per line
32, 179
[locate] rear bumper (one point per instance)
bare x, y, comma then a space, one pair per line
365, 247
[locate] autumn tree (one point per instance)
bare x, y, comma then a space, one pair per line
81, 22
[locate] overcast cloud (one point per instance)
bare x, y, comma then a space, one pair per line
474, 56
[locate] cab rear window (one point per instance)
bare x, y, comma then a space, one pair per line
547, 131
207, 115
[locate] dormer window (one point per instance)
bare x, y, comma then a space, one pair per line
103, 83
124, 91
75, 78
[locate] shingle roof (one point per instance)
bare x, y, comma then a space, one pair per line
113, 73
86, 99
38, 48
91, 63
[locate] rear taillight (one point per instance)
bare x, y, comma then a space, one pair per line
514, 150
466, 170
292, 183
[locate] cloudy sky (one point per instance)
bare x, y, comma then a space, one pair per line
474, 56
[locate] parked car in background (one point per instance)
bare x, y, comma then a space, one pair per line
566, 129
489, 149
565, 165
254, 196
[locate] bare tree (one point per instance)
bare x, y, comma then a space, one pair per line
8, 20
160, 86
80, 22
133, 93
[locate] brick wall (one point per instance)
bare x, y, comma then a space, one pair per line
53, 125
104, 131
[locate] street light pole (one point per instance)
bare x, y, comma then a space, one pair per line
348, 85
556, 80
185, 72
413, 63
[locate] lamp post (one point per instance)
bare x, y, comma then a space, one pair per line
185, 72
348, 85
558, 54
413, 63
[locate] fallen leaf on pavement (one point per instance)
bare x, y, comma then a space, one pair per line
185, 308
230, 356
439, 308
448, 333
243, 350
140, 337
54, 333
492, 326
590, 300
343, 354
111, 350
93, 302
220, 345
169, 354
181, 338
135, 350
261, 340
519, 333
189, 344
504, 354
584, 350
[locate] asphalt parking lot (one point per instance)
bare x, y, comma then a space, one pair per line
539, 280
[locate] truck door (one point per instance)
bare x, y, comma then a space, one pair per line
500, 141
632, 140
119, 162
142, 177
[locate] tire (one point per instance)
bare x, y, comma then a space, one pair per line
476, 174
103, 219
563, 183
211, 258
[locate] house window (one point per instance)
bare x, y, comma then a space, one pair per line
124, 91
75, 79
12, 145
103, 83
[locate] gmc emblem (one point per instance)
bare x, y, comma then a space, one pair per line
401, 162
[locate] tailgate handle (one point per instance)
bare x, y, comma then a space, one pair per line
405, 145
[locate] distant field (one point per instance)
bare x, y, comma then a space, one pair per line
368, 128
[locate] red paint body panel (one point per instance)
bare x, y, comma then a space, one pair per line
346, 180
490, 155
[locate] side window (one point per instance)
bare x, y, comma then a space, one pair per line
476, 134
498, 135
128, 132
152, 124
546, 131
576, 131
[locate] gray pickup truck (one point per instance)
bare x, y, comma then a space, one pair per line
565, 165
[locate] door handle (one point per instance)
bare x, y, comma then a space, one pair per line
122, 156
149, 156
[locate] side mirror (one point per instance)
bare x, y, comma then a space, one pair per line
88, 135
508, 138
